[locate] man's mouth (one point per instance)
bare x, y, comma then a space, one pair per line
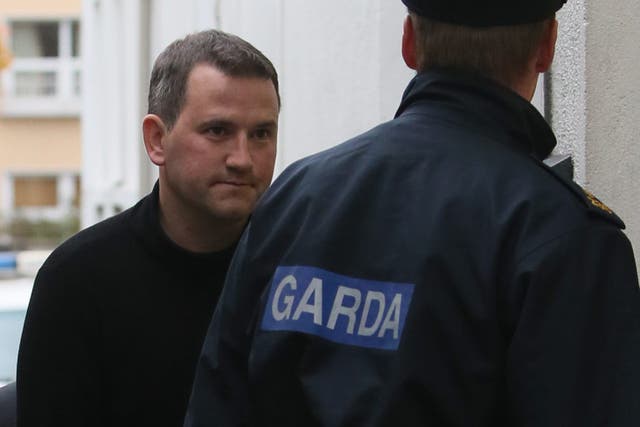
234, 183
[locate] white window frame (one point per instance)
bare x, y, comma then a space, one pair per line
65, 188
65, 102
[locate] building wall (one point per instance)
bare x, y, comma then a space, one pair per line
40, 7
595, 102
40, 144
567, 101
115, 169
36, 145
613, 109
39, 148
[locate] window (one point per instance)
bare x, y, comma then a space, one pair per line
35, 39
41, 195
44, 77
35, 191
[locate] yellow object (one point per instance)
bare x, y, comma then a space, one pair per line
597, 203
5, 56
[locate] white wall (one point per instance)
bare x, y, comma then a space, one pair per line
115, 60
596, 100
568, 86
171, 19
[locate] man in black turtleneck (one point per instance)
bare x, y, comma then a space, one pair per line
433, 271
118, 312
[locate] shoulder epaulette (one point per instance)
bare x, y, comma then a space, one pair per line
595, 206
591, 202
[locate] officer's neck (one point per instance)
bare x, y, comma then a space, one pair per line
526, 85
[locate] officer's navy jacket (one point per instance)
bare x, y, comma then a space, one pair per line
430, 272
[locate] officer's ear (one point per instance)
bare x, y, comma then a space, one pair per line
409, 44
154, 132
547, 47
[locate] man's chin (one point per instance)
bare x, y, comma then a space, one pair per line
233, 212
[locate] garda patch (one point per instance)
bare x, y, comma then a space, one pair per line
342, 309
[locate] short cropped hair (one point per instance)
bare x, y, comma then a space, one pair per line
228, 53
500, 53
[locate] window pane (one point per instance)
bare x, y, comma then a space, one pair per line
75, 39
35, 191
35, 39
35, 83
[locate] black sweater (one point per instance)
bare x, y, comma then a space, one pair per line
115, 325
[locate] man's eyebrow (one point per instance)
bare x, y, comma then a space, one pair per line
216, 122
267, 124
230, 124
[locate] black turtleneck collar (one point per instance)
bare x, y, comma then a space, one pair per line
489, 104
145, 222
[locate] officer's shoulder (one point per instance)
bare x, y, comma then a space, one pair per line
594, 207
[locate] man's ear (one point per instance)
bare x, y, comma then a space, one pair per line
409, 44
547, 47
153, 133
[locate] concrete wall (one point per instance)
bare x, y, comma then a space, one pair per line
567, 95
596, 100
613, 108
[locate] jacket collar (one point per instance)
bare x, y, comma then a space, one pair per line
484, 103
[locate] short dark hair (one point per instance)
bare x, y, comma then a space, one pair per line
499, 52
228, 53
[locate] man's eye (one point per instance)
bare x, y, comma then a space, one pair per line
262, 133
217, 131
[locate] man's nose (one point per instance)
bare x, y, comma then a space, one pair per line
239, 156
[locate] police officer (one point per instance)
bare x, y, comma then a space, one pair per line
433, 271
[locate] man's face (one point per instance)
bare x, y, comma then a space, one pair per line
220, 153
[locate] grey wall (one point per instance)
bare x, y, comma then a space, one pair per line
613, 108
595, 102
